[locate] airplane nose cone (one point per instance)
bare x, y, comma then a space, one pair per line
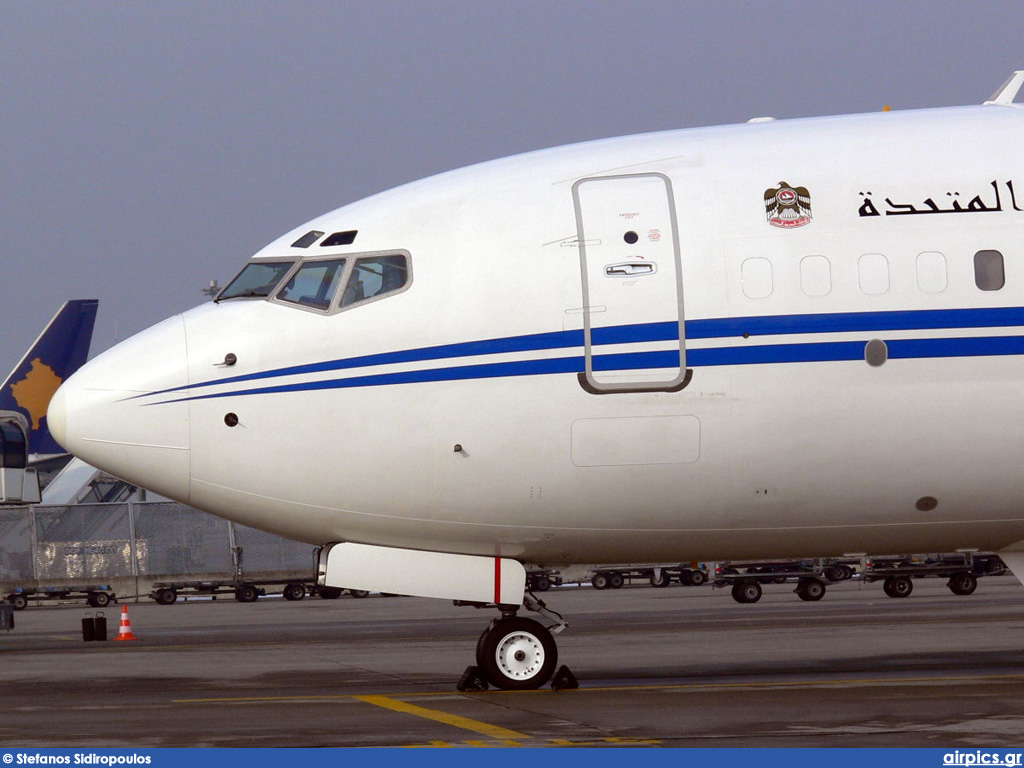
117, 414
57, 416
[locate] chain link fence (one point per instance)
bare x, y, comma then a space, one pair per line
176, 540
16, 560
133, 545
87, 542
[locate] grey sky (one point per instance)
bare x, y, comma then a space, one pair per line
147, 148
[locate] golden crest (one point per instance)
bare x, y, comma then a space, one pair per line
787, 207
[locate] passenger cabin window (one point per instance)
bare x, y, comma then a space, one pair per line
13, 446
314, 284
375, 276
931, 272
257, 279
756, 278
873, 269
989, 274
815, 275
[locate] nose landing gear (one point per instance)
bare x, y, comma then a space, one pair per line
517, 654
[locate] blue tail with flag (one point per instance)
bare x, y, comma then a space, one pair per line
59, 351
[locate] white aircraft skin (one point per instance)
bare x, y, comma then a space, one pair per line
465, 414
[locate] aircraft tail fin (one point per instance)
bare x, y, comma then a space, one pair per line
60, 350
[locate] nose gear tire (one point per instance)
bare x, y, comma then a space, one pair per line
517, 654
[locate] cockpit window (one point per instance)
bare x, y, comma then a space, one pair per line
314, 284
374, 276
327, 284
257, 279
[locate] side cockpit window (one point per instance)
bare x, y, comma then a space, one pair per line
257, 280
375, 276
314, 284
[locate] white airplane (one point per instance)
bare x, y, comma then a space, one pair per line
777, 339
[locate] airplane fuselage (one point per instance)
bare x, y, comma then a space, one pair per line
792, 338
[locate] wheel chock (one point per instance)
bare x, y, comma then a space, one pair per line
564, 680
472, 680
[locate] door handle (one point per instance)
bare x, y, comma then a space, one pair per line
631, 269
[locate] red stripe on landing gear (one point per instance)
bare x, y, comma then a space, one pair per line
497, 581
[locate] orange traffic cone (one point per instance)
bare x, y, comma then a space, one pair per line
125, 633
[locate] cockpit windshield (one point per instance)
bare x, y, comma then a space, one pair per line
325, 284
314, 284
258, 279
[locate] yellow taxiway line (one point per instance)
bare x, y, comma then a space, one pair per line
468, 724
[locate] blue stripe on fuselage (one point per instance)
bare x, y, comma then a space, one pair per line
728, 327
697, 358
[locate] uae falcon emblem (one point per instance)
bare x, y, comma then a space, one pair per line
787, 207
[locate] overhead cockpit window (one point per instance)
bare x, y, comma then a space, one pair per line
308, 239
257, 280
340, 238
314, 284
375, 276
